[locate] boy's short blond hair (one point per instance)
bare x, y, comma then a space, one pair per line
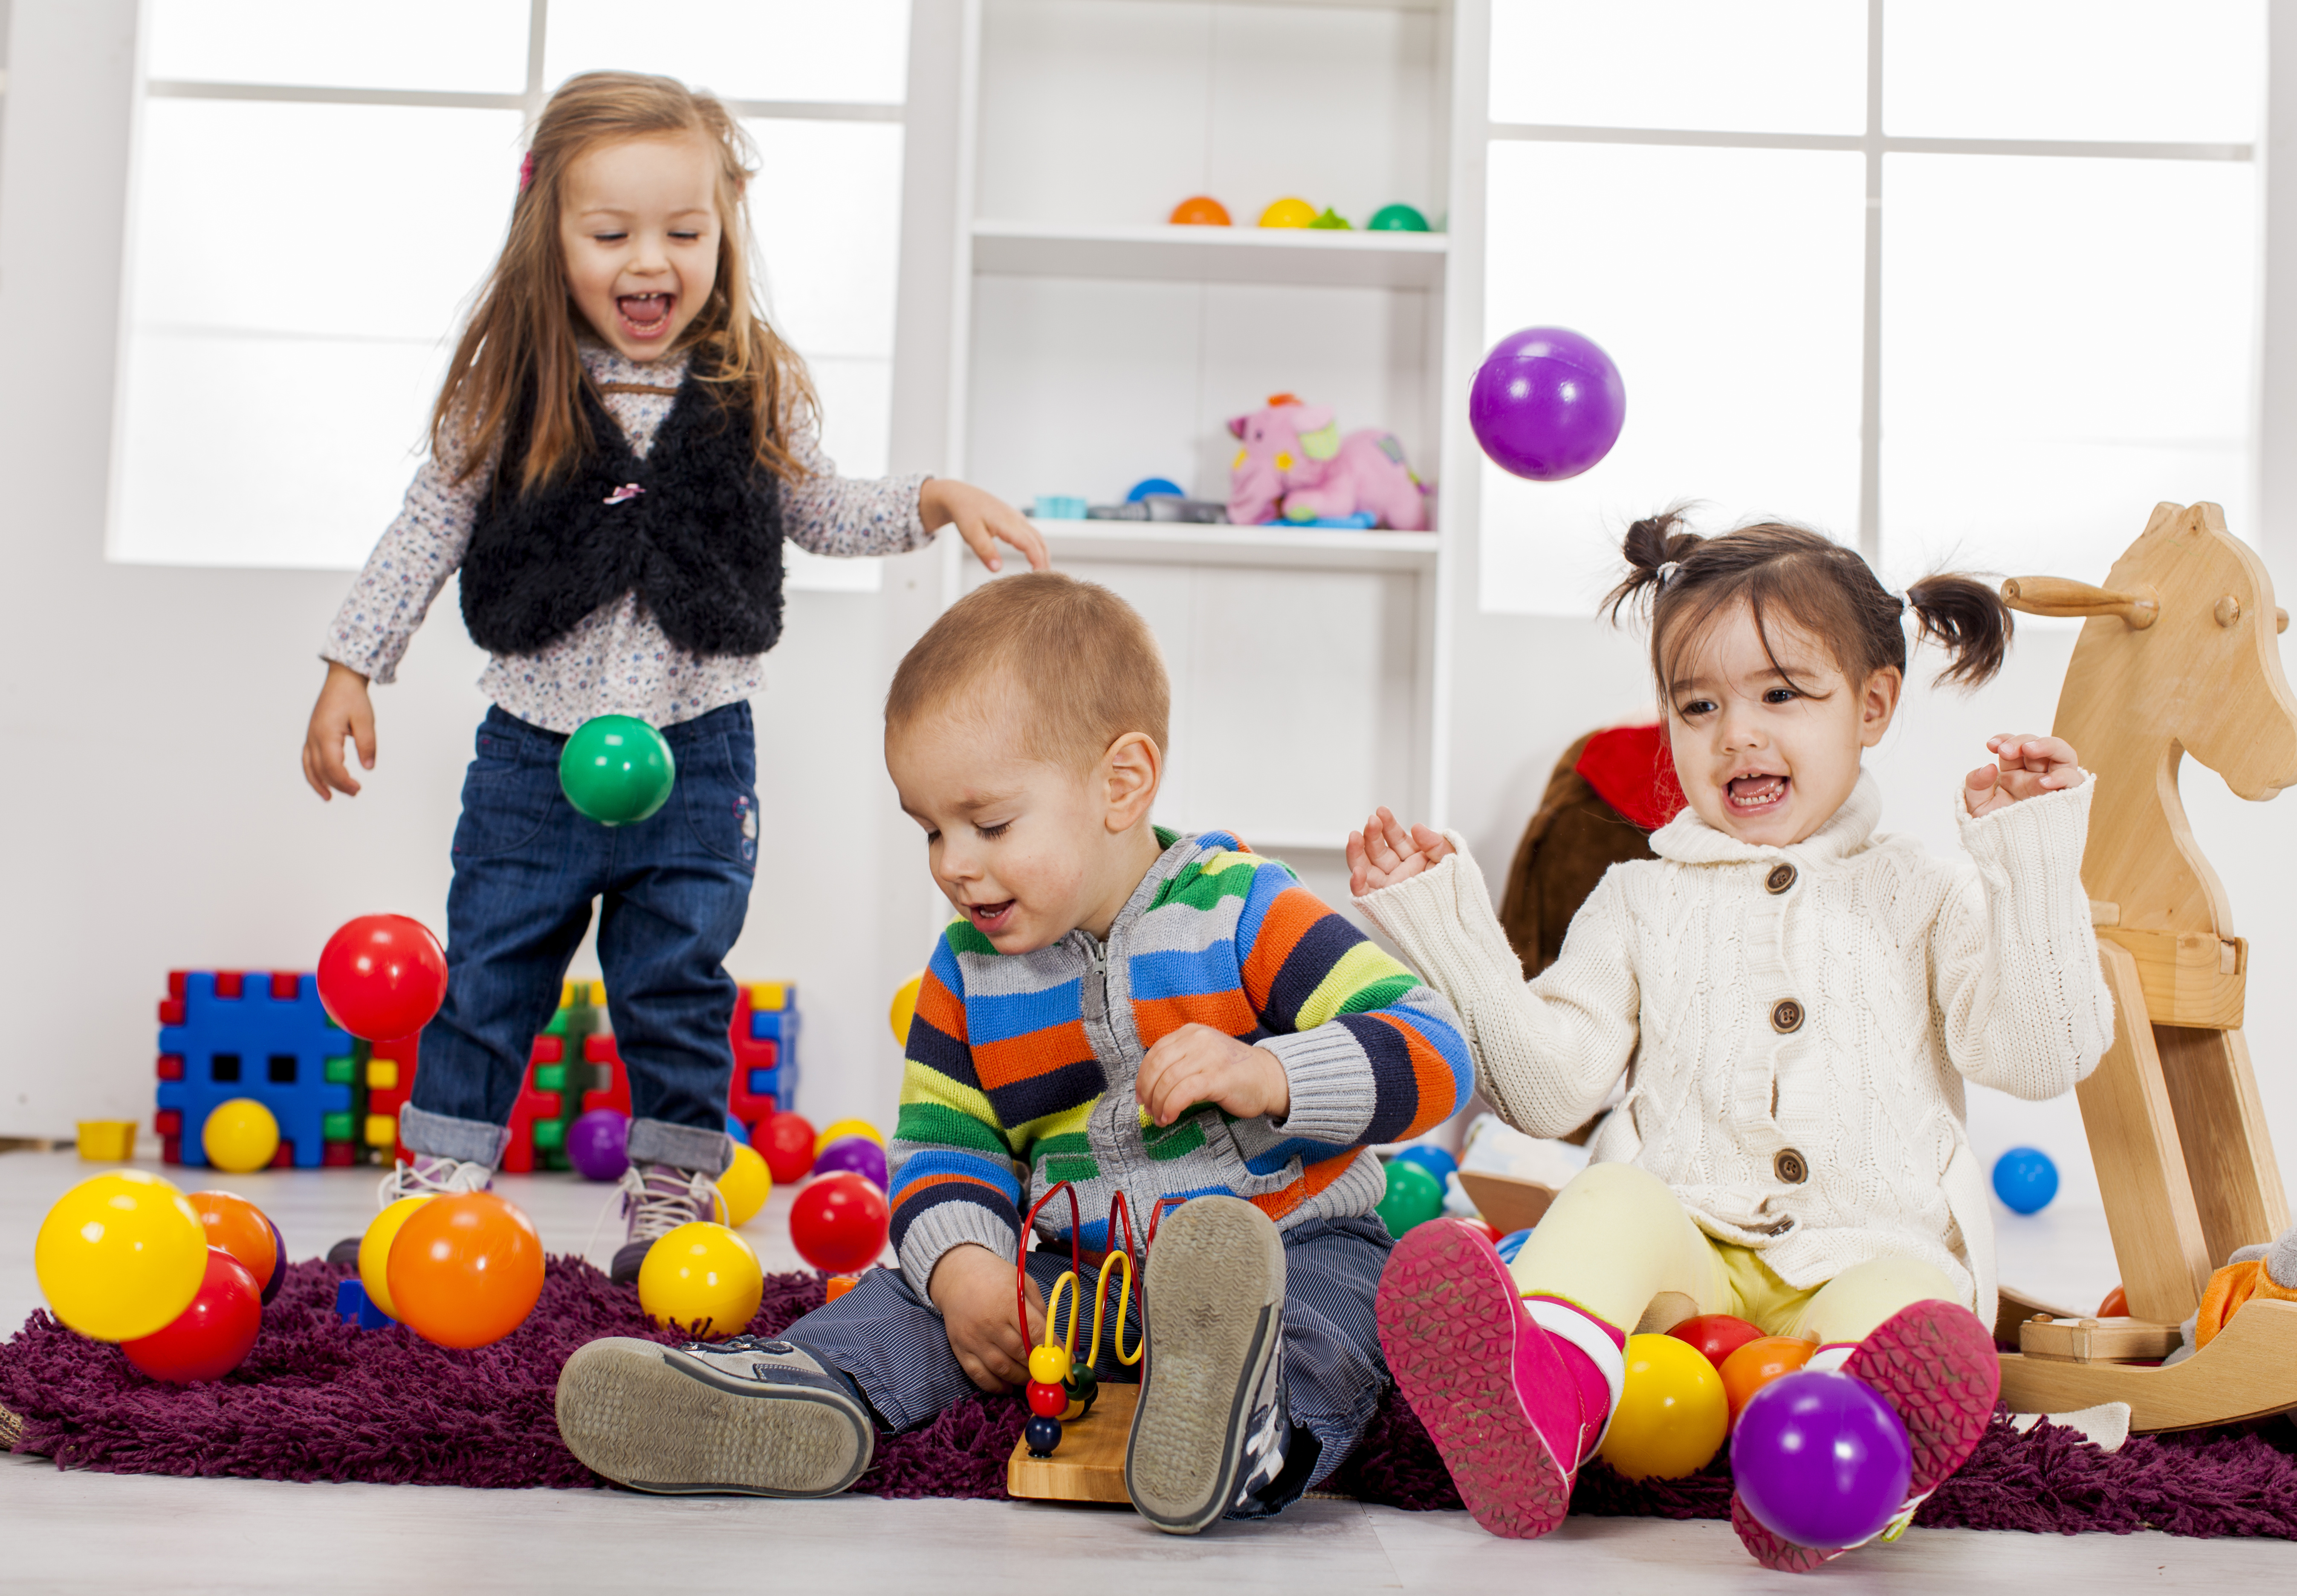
1078, 662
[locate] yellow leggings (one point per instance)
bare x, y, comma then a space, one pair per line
1615, 1240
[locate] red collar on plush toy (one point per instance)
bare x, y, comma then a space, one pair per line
1632, 771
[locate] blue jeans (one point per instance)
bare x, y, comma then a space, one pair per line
674, 891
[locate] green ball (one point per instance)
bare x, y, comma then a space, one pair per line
616, 769
1414, 1196
1331, 218
1396, 218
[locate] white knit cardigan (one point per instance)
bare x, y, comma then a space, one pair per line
1795, 1024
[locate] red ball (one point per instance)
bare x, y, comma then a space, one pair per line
1717, 1334
838, 1222
212, 1336
785, 1142
383, 976
1050, 1401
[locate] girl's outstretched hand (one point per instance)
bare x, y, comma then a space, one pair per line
2026, 767
981, 519
343, 710
1384, 852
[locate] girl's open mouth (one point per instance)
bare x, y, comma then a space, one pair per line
1757, 794
645, 314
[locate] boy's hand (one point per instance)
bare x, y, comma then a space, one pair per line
981, 519
1384, 852
973, 1288
2028, 767
1199, 1064
342, 711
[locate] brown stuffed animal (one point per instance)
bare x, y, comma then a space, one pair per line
1610, 790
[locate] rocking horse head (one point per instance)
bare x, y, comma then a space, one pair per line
2179, 656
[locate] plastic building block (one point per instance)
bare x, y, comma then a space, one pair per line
394, 1059
610, 1081
533, 1104
382, 1131
107, 1140
352, 1307
337, 1127
339, 1154
267, 1038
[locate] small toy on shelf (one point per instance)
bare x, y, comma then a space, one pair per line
381, 976
616, 769
1200, 211
1289, 212
1819, 1457
1295, 465
1547, 404
2025, 1179
838, 1223
1058, 507
213, 1335
1396, 218
1153, 488
240, 1137
1331, 221
703, 1277
1173, 507
465, 1270
119, 1256
1672, 1416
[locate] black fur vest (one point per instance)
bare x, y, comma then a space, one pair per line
695, 529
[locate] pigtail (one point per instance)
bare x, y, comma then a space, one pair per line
1652, 545
1966, 618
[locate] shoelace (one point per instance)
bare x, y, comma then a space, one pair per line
407, 1179
658, 1213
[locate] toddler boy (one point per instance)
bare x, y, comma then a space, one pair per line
1115, 1005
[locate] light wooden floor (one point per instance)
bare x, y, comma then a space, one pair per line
139, 1535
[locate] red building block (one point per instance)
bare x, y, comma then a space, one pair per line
598, 1048
533, 1104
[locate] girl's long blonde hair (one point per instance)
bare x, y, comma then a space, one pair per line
521, 334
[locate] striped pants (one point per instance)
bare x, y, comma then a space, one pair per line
889, 1338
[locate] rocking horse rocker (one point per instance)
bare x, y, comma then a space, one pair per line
2179, 657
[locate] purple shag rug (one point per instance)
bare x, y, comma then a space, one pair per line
319, 1400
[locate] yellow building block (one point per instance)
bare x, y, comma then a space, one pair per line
107, 1140
382, 1130
597, 994
382, 1074
768, 996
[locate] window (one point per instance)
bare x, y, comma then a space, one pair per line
1960, 281
319, 190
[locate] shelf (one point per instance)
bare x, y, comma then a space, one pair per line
1289, 548
1160, 254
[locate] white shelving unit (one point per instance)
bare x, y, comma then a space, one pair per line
1087, 344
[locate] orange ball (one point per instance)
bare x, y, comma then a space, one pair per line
465, 1270
2116, 1305
1200, 210
238, 1227
1757, 1364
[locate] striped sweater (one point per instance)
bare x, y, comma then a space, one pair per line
1021, 1067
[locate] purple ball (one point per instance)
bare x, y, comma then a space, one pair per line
1820, 1458
1547, 404
858, 1154
597, 1144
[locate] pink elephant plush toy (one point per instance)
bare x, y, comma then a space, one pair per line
1295, 465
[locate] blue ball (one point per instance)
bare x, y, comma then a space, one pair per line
2025, 1179
1163, 487
1511, 1244
736, 1130
1435, 1160
1041, 1433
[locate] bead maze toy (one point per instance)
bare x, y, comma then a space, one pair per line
2177, 655
225, 1035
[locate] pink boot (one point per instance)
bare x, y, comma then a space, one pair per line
1934, 1363
1493, 1389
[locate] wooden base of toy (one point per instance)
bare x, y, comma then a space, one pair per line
2248, 1370
1089, 1466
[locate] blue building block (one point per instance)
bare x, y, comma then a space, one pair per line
775, 1024
255, 1045
352, 1307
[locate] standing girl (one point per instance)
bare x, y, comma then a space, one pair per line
620, 445
1794, 1001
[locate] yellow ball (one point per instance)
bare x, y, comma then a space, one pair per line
240, 1137
1288, 213
120, 1256
905, 1007
1050, 1365
745, 1187
374, 1250
1673, 1414
847, 1127
703, 1277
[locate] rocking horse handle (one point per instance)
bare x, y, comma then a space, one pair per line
2062, 596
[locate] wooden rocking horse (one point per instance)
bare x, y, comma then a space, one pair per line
2179, 657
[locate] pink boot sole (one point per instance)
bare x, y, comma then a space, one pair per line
1451, 1324
1935, 1364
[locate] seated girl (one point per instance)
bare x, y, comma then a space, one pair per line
1795, 999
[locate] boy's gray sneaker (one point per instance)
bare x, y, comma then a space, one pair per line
655, 1201
750, 1416
1211, 1430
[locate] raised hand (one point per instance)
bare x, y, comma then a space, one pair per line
2025, 766
982, 518
1386, 852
